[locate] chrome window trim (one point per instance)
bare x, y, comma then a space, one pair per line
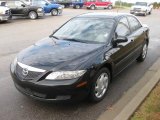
30, 68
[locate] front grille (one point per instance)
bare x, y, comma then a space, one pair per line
137, 9
30, 76
7, 12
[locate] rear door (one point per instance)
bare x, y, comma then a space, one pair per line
101, 3
16, 8
122, 55
137, 35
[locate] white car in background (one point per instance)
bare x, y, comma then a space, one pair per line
5, 13
143, 8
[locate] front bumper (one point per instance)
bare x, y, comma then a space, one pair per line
51, 90
60, 11
137, 12
40, 14
5, 17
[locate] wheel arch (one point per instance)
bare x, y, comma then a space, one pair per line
92, 5
53, 9
31, 11
109, 66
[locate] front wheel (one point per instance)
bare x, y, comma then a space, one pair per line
143, 54
145, 13
54, 12
110, 7
33, 15
100, 85
92, 7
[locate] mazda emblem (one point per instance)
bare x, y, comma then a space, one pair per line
25, 71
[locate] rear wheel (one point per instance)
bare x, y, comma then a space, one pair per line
92, 7
33, 15
54, 12
77, 7
143, 54
110, 7
100, 85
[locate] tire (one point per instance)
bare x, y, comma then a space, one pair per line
33, 15
143, 54
92, 7
54, 12
145, 13
100, 85
110, 7
77, 7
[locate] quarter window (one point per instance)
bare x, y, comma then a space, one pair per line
134, 23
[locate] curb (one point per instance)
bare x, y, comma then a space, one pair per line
130, 101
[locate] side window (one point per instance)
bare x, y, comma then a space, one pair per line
123, 28
11, 4
134, 23
18, 3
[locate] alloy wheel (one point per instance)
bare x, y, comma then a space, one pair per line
32, 15
101, 85
144, 52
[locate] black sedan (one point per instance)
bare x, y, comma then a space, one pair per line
19, 8
80, 58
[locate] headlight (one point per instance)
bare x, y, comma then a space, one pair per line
40, 9
132, 8
15, 62
1, 12
13, 65
62, 75
60, 7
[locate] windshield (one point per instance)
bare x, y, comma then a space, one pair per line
40, 2
93, 30
141, 3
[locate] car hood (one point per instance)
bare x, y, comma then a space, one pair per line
3, 8
54, 5
51, 54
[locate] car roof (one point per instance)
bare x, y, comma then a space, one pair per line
112, 15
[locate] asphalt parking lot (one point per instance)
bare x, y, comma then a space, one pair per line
20, 33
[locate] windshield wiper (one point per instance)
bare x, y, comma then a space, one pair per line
75, 40
52, 36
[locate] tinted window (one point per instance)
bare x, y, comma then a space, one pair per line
86, 30
11, 4
134, 23
123, 28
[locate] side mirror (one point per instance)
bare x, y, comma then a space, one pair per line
46, 4
121, 39
23, 5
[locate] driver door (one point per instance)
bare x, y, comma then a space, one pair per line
19, 8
